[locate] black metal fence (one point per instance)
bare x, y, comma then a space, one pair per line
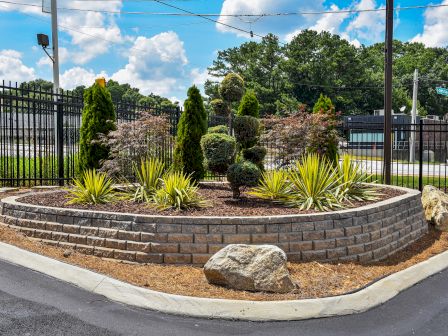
39, 133
39, 139
419, 151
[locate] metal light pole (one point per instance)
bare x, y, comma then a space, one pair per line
54, 37
388, 91
413, 118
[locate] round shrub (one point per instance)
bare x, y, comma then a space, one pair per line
249, 105
247, 130
219, 151
219, 129
243, 174
219, 107
255, 155
232, 88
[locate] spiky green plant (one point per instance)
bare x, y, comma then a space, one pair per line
315, 184
274, 185
93, 188
354, 181
178, 191
148, 175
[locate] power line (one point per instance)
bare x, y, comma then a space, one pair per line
188, 13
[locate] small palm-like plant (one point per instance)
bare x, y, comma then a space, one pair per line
93, 188
179, 191
148, 175
315, 184
354, 181
274, 185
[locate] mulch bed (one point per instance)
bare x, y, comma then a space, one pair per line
219, 197
315, 279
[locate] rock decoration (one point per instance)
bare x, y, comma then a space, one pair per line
250, 267
435, 205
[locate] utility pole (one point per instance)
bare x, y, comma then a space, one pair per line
58, 110
388, 90
413, 118
54, 36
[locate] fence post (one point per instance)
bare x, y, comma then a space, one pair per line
420, 157
60, 141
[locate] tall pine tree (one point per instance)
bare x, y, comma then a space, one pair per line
192, 126
98, 116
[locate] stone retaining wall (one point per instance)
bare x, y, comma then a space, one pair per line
368, 233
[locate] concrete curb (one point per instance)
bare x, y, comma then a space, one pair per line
365, 299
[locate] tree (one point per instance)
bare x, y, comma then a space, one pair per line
249, 105
323, 105
98, 117
192, 126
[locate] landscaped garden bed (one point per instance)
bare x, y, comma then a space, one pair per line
219, 198
315, 279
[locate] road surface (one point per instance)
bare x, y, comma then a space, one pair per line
32, 304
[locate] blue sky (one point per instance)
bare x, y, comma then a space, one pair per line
166, 54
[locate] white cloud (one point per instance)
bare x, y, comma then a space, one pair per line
279, 25
327, 22
78, 76
155, 64
12, 67
199, 77
63, 57
367, 26
91, 33
435, 31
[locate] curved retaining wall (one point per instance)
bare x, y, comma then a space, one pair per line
363, 234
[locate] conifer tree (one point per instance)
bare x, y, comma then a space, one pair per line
98, 117
192, 126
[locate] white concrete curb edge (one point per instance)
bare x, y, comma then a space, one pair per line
367, 298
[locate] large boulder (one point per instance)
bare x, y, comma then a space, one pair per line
435, 204
250, 267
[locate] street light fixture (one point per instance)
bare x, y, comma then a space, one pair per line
44, 42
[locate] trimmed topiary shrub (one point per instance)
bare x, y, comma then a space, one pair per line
98, 117
219, 107
243, 174
249, 105
218, 129
256, 155
192, 126
232, 88
247, 130
219, 151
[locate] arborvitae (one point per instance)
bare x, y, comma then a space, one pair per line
98, 116
192, 126
324, 105
249, 105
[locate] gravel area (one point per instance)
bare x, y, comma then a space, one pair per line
219, 197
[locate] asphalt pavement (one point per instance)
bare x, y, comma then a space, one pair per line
33, 304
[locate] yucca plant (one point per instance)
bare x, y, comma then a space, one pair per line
354, 181
148, 175
92, 188
274, 185
178, 190
315, 184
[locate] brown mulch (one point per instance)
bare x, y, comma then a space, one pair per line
315, 279
219, 197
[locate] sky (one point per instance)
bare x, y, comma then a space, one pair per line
167, 54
